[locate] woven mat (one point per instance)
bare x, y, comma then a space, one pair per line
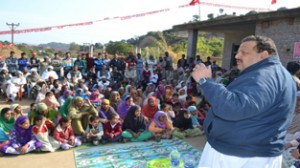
131, 155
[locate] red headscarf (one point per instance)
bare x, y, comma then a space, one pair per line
149, 111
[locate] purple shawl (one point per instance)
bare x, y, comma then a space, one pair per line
103, 114
95, 97
160, 91
159, 124
123, 107
65, 94
22, 136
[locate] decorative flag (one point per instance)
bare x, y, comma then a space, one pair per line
273, 2
194, 2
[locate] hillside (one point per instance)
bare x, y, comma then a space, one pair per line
57, 46
5, 52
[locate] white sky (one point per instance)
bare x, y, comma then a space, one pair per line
38, 13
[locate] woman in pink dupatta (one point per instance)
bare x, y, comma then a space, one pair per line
95, 98
51, 101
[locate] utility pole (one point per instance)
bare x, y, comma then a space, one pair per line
199, 11
12, 27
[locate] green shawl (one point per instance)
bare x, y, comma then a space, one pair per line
64, 108
7, 125
52, 115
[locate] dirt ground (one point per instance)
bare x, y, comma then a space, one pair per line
60, 159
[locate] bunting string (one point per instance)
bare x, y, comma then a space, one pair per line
43, 29
225, 6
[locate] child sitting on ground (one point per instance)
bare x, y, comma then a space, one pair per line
161, 127
21, 138
195, 117
40, 131
94, 131
134, 126
65, 135
184, 126
112, 129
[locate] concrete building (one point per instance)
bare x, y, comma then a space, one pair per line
282, 26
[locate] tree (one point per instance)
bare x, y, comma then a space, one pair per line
118, 47
216, 46
210, 16
195, 18
251, 12
74, 47
282, 8
99, 46
221, 10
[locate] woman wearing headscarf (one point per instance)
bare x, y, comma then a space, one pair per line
80, 93
184, 126
65, 96
121, 91
136, 99
169, 93
79, 111
134, 126
149, 89
115, 99
21, 138
160, 91
50, 114
51, 101
127, 91
7, 121
125, 106
95, 98
161, 127
150, 108
106, 109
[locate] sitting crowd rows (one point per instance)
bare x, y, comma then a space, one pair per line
70, 109
79, 120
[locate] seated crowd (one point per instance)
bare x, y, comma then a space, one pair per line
97, 100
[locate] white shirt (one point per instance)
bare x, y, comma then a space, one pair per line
154, 78
46, 74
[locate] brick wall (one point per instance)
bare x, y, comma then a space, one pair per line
285, 32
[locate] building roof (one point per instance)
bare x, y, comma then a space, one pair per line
238, 23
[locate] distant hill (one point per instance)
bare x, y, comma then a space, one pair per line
57, 46
5, 52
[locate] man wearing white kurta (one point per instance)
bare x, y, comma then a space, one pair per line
14, 85
49, 73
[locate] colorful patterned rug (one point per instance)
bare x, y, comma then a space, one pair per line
132, 155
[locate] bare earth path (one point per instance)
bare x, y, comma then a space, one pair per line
60, 159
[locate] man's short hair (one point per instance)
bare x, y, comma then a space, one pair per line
262, 44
